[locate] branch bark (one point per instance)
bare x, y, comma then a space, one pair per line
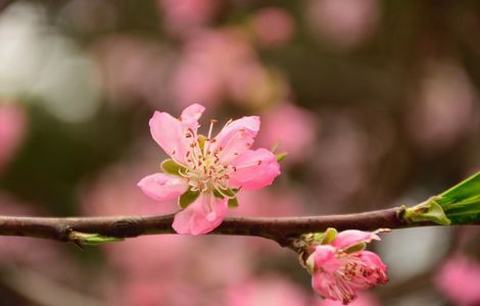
282, 230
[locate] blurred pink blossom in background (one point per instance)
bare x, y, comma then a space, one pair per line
29, 253
132, 68
445, 108
185, 16
266, 291
272, 26
345, 23
459, 280
290, 127
341, 165
221, 65
13, 121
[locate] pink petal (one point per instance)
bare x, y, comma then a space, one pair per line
191, 114
169, 133
323, 254
202, 216
236, 137
254, 169
162, 187
324, 257
349, 238
321, 283
375, 262
324, 278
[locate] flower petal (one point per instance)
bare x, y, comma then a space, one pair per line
375, 263
254, 169
349, 238
191, 114
202, 216
169, 133
163, 187
236, 137
323, 254
324, 279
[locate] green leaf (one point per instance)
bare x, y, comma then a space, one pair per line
91, 238
466, 189
465, 212
461, 203
171, 167
187, 198
428, 211
233, 203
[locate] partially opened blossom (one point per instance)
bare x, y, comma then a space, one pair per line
205, 173
341, 266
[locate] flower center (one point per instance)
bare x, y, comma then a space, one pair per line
203, 170
354, 269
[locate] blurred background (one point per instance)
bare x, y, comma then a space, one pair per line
375, 101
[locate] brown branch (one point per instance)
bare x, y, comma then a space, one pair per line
281, 230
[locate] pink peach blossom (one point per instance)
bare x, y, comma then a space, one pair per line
445, 108
132, 68
218, 65
183, 17
12, 130
342, 268
272, 26
211, 170
345, 23
291, 128
459, 280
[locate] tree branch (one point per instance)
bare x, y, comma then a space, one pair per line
282, 230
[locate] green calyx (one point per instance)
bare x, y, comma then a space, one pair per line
457, 205
231, 194
313, 239
187, 198
428, 211
171, 167
233, 203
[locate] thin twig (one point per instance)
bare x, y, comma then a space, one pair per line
281, 230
